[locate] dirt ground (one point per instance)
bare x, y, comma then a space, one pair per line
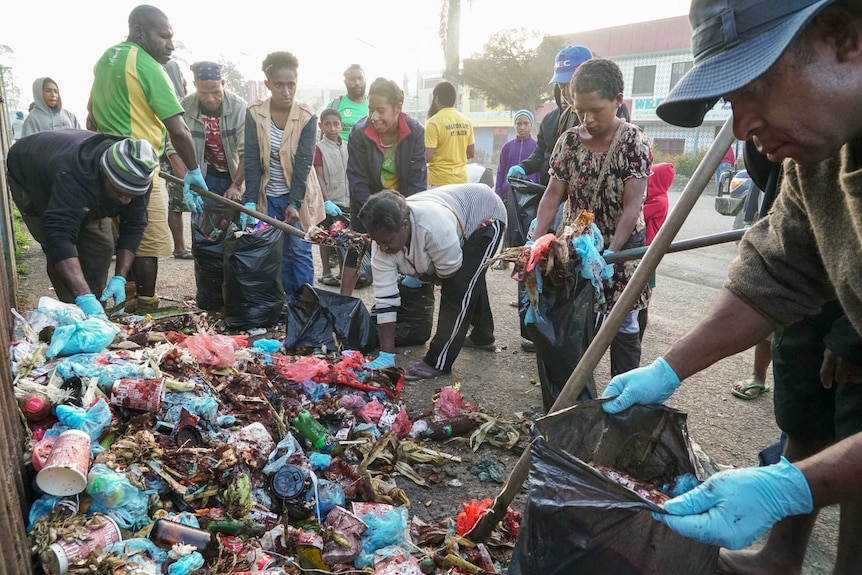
504, 383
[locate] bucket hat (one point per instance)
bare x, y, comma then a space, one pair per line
734, 43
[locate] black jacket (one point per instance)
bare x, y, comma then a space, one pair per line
59, 170
364, 162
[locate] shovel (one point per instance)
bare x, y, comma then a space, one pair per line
702, 176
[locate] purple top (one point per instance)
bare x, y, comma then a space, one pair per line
512, 153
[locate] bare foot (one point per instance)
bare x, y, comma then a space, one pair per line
748, 561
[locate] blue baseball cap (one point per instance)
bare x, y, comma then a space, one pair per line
567, 61
734, 43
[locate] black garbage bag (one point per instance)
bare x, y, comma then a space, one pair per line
209, 229
577, 520
415, 316
523, 202
253, 293
563, 337
316, 317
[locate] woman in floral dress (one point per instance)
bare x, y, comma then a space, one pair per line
602, 165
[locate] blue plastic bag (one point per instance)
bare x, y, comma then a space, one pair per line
111, 493
187, 564
88, 336
387, 529
93, 421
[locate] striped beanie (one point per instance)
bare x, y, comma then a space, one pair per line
130, 165
519, 113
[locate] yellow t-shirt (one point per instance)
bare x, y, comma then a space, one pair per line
449, 132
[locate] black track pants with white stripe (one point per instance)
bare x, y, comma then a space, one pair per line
464, 300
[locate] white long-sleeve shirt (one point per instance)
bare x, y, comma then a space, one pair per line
441, 220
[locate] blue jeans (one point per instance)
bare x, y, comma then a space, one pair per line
217, 186
722, 167
297, 263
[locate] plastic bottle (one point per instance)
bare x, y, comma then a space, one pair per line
36, 406
445, 429
166, 534
234, 527
318, 435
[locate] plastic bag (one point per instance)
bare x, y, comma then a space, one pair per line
93, 421
112, 494
209, 229
87, 336
314, 315
562, 338
329, 495
218, 350
451, 402
371, 411
253, 292
305, 368
187, 564
415, 315
577, 520
470, 514
384, 529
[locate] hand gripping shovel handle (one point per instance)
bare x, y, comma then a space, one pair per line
286, 228
577, 380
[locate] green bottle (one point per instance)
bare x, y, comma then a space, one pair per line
318, 435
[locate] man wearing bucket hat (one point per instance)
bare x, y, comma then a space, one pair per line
67, 185
793, 73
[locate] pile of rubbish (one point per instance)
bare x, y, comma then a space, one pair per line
179, 450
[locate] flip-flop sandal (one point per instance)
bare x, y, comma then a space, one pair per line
184, 255
741, 389
329, 280
468, 342
421, 370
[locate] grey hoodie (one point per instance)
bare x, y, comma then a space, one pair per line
43, 118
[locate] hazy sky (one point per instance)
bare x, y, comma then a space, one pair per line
63, 39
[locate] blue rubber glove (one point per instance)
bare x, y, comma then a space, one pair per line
651, 384
116, 289
384, 359
412, 282
733, 508
531, 230
246, 220
193, 200
516, 172
331, 208
89, 305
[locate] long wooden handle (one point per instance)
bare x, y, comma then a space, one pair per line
583, 371
287, 228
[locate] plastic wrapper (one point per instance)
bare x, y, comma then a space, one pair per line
209, 229
470, 514
451, 402
371, 411
578, 520
313, 316
350, 529
253, 292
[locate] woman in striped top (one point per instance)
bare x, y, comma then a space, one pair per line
443, 235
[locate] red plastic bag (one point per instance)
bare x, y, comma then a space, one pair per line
371, 411
215, 350
402, 426
305, 368
471, 513
451, 403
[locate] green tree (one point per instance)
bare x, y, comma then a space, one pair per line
233, 78
510, 73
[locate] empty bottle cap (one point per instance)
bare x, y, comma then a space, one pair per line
289, 481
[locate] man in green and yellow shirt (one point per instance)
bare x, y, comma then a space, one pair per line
133, 96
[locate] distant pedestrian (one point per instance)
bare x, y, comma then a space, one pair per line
48, 112
353, 106
17, 126
449, 140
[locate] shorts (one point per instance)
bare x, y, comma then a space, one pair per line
176, 203
157, 242
804, 409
